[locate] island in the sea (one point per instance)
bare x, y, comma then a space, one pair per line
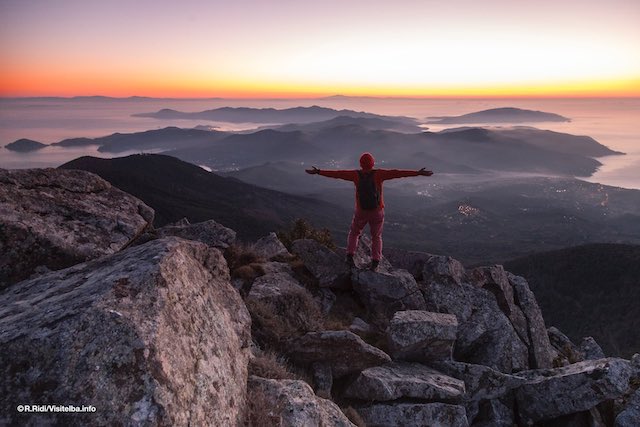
500, 115
25, 145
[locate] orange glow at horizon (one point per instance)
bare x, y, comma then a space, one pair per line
298, 49
35, 85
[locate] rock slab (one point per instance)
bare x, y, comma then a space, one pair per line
270, 246
414, 414
422, 335
292, 403
327, 267
552, 393
208, 232
53, 219
344, 351
404, 380
152, 335
385, 293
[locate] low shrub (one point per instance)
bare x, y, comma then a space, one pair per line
302, 229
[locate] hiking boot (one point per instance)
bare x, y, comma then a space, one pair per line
349, 261
374, 264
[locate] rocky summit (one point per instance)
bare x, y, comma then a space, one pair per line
185, 325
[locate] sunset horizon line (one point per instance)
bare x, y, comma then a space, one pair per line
325, 97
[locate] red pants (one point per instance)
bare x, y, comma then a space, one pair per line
375, 219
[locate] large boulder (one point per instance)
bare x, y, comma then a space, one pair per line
481, 382
411, 261
344, 351
630, 415
270, 246
414, 414
422, 335
485, 335
274, 287
326, 266
590, 349
552, 393
52, 219
540, 351
484, 388
495, 280
385, 293
291, 403
404, 380
493, 413
443, 269
152, 335
208, 232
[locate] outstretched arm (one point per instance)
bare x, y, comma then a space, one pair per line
349, 175
402, 173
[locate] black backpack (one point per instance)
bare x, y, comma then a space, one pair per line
368, 194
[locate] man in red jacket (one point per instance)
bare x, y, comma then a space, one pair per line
369, 207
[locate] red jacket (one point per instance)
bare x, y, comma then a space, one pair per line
380, 176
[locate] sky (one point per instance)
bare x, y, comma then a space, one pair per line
301, 48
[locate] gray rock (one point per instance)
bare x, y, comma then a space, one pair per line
411, 261
385, 293
292, 403
635, 366
327, 267
208, 232
551, 393
485, 335
359, 326
277, 267
540, 351
495, 280
152, 335
591, 350
564, 347
630, 416
494, 413
414, 414
422, 335
443, 269
343, 350
322, 379
404, 380
270, 246
362, 257
326, 298
57, 218
481, 382
274, 286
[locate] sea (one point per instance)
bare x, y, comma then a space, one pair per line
614, 122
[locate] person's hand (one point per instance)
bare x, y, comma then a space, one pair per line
313, 171
425, 172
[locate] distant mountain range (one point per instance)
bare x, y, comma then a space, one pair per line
269, 115
338, 142
589, 290
176, 189
501, 115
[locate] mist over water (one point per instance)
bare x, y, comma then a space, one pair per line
612, 122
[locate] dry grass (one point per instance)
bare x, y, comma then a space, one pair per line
270, 365
240, 254
301, 229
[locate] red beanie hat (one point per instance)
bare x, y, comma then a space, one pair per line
367, 161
